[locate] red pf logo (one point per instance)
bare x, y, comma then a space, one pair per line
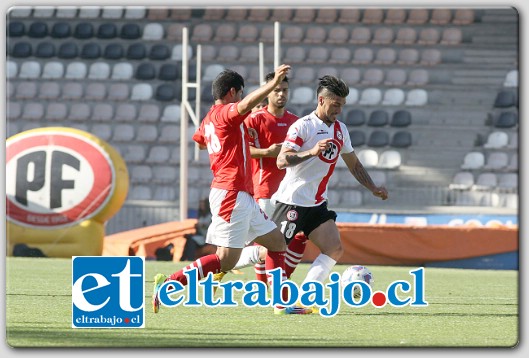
56, 179
332, 152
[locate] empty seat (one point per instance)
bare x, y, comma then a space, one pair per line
267, 34
72, 91
370, 97
102, 112
12, 69
169, 72
373, 16
350, 75
113, 51
463, 16
76, 70
360, 35
378, 139
225, 33
406, 36
441, 16
49, 90
141, 92
395, 16
159, 52
149, 112
473, 160
228, 53
166, 92
56, 111
401, 139
158, 154
302, 95
430, 57
315, 35
408, 56
349, 16
386, 56
295, 54
508, 181
158, 13
29, 70
352, 97
140, 192
123, 133
118, 92
418, 77
401, 118
304, 15
383, 36
45, 50
355, 117
393, 97
368, 158
153, 32
147, 133
103, 131
89, 12
26, 90
451, 36
395, 77
38, 29
21, 50
61, 30
258, 15
90, 50
211, 72
389, 159
497, 161
358, 138
202, 33
340, 55
317, 54
497, 139
134, 153
247, 33
505, 99
338, 35
79, 112
95, 91
99, 71
462, 181
112, 12
378, 118
511, 79
20, 11
83, 30
292, 34
171, 113
68, 50
122, 71
363, 56
145, 71
235, 14
135, 12
326, 16
43, 11
107, 31
136, 51
177, 53
418, 16
281, 14
304, 75
416, 97
485, 181
125, 112
130, 31
213, 14
429, 36
16, 29
14, 110
174, 32
53, 70
67, 12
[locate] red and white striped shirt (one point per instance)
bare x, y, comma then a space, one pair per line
223, 132
305, 184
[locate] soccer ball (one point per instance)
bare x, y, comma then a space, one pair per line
357, 273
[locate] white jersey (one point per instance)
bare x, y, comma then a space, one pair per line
305, 184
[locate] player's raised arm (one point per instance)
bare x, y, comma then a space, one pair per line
257, 96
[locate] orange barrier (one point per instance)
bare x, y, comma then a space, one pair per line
394, 244
368, 244
145, 241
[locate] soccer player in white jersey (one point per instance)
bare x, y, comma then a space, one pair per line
309, 155
236, 217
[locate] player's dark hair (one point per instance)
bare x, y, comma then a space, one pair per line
334, 85
224, 81
270, 76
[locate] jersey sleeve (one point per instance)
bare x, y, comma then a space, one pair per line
347, 146
295, 136
229, 114
250, 122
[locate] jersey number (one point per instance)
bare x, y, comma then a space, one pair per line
213, 142
288, 231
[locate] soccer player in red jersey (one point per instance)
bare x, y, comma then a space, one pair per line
237, 219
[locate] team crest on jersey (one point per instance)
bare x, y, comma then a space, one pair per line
339, 135
292, 215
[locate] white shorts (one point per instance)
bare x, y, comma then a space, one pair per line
267, 206
237, 219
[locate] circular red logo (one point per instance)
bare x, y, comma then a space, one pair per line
56, 179
292, 215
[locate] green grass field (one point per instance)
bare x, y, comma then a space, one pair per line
467, 308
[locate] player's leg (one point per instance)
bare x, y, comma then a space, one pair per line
294, 253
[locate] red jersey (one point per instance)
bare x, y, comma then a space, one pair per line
270, 130
223, 132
